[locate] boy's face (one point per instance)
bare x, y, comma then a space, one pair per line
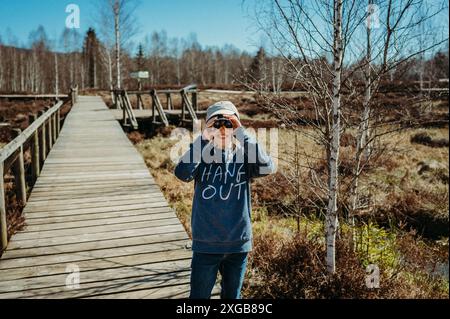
222, 134
223, 137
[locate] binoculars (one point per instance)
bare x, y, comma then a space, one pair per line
221, 121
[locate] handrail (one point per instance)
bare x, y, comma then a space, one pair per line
15, 144
189, 88
43, 133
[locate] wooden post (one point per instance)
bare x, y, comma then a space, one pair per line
53, 117
194, 101
43, 141
142, 102
19, 173
182, 108
169, 101
3, 226
49, 132
72, 95
58, 122
35, 165
124, 111
153, 93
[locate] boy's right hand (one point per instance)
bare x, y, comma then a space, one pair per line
208, 132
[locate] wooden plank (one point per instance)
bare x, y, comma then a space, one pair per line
103, 215
103, 258
105, 287
71, 212
82, 238
77, 204
60, 233
116, 247
98, 199
93, 276
97, 222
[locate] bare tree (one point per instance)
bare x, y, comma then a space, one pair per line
401, 23
312, 39
117, 24
319, 45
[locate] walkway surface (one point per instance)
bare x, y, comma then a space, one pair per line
97, 224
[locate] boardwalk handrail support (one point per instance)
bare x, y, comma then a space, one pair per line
74, 94
42, 134
121, 99
188, 106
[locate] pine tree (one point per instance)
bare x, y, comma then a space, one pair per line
257, 68
140, 58
91, 52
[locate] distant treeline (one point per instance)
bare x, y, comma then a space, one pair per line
86, 61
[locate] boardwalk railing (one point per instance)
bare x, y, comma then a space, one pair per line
121, 99
39, 138
189, 105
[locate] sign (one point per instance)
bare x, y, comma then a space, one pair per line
140, 75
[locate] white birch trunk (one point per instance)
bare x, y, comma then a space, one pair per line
117, 33
331, 218
362, 150
56, 75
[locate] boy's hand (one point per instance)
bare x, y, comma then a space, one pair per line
234, 119
208, 132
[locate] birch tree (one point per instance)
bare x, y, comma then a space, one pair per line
403, 32
312, 38
117, 21
319, 42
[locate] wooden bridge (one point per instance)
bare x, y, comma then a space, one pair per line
97, 224
124, 110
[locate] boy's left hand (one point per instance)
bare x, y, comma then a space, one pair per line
234, 120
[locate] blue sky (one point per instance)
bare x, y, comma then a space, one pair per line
216, 22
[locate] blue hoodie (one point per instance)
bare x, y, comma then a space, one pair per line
221, 208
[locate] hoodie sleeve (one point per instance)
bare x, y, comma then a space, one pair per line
259, 163
187, 166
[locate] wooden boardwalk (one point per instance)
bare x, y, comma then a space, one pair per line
96, 208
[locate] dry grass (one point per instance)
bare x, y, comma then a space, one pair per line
288, 264
287, 261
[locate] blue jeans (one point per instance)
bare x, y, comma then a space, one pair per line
204, 274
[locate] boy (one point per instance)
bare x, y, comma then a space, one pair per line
222, 162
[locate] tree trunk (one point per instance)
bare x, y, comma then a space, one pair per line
56, 75
332, 210
117, 32
362, 150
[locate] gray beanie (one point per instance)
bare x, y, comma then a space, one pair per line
222, 107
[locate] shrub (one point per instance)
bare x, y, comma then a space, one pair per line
282, 266
425, 139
